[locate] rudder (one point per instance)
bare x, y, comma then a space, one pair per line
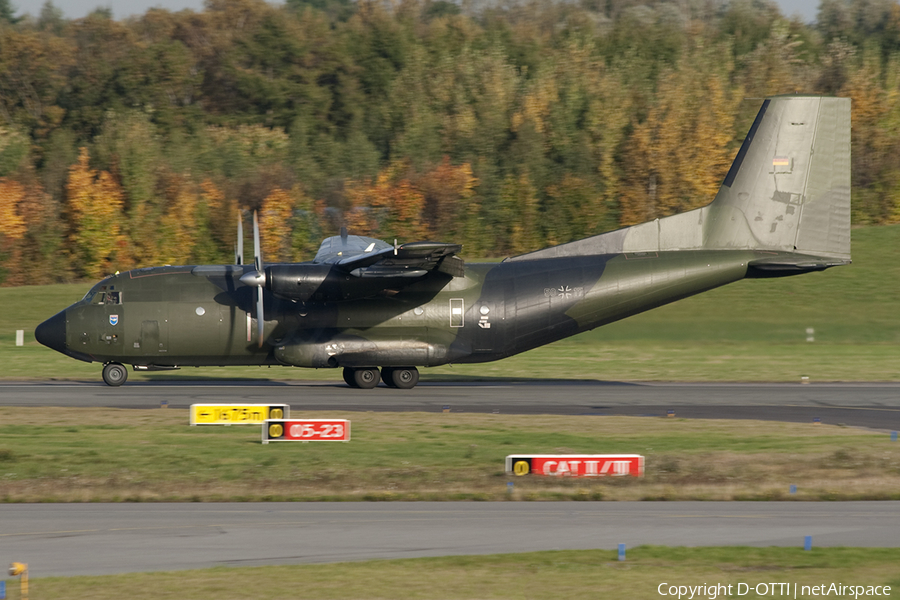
788, 189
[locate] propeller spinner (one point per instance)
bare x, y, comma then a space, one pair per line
257, 279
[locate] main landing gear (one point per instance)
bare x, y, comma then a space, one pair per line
114, 374
404, 378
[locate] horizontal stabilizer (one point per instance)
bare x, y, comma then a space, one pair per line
791, 264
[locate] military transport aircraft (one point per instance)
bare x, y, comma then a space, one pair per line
363, 305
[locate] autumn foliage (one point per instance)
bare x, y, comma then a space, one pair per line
504, 128
95, 209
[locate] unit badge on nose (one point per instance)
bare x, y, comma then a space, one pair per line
113, 319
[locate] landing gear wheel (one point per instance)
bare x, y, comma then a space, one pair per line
348, 377
114, 374
366, 378
387, 376
404, 378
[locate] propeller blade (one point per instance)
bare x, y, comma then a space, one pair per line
260, 317
257, 278
239, 249
257, 252
261, 278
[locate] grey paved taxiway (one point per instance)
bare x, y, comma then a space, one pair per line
81, 539
875, 405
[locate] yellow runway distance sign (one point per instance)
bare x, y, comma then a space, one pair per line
237, 414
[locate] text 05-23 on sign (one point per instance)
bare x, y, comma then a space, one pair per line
306, 430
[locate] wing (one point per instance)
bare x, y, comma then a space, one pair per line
366, 257
348, 267
338, 247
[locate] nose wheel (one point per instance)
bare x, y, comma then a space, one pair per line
114, 374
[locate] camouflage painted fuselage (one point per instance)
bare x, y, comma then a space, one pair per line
169, 317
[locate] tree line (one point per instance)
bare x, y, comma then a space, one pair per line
505, 126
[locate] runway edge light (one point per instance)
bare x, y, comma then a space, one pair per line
20, 569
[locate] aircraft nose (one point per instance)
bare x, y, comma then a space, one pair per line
52, 332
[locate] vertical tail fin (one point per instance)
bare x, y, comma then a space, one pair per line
788, 189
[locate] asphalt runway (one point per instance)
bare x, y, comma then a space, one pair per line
97, 539
873, 405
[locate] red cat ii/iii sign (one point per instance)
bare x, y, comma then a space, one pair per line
576, 465
305, 430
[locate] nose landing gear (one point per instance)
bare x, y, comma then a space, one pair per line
114, 374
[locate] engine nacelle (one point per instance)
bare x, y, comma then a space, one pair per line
318, 283
300, 282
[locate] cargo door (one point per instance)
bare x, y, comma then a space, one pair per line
154, 341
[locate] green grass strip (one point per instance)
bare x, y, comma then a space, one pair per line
100, 454
575, 575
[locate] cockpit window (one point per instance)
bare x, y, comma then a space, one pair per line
98, 298
97, 294
103, 293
